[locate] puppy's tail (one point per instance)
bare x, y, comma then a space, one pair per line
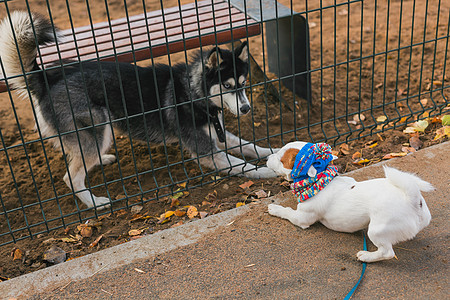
20, 34
409, 183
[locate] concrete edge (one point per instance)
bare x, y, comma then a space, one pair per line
145, 247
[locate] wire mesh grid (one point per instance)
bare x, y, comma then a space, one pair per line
368, 66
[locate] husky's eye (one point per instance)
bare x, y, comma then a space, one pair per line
227, 85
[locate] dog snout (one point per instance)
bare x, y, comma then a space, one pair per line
245, 109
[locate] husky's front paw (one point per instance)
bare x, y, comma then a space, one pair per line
263, 172
100, 203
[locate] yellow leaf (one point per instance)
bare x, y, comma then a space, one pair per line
134, 232
168, 213
17, 254
442, 132
361, 162
192, 212
182, 185
373, 145
239, 204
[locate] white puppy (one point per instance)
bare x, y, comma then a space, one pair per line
392, 208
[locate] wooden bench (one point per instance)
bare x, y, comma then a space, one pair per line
170, 30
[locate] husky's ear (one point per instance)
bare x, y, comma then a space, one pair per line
242, 52
288, 158
214, 58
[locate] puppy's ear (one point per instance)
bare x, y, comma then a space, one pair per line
288, 158
242, 52
214, 58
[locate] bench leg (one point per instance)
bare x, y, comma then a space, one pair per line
283, 39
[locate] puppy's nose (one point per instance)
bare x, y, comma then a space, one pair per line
245, 108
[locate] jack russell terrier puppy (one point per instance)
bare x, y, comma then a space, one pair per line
392, 208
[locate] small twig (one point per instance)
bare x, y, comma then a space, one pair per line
106, 292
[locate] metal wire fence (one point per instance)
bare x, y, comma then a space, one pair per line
332, 71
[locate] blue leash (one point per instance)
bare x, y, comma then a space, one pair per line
350, 294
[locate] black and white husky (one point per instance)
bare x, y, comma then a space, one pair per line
82, 103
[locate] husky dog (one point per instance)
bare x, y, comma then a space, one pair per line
82, 103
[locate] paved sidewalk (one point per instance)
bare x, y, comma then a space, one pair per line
245, 253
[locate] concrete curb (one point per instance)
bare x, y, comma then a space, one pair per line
158, 243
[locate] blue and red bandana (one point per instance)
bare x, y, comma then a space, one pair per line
319, 156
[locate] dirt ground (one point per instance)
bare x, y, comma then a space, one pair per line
356, 67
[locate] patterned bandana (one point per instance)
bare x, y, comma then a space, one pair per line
319, 156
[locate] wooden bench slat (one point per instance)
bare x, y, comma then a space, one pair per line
203, 25
105, 35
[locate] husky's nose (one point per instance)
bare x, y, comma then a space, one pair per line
245, 108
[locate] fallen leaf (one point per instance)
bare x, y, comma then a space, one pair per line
392, 155
211, 196
246, 185
177, 224
418, 126
205, 203
203, 214
182, 185
442, 132
239, 204
381, 119
179, 213
261, 194
358, 118
55, 255
134, 232
175, 202
69, 240
379, 85
403, 120
371, 144
192, 212
446, 120
361, 162
136, 209
86, 231
95, 243
415, 142
17, 254
437, 83
345, 149
257, 124
424, 102
408, 149
356, 155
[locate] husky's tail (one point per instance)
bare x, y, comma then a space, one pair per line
409, 183
19, 38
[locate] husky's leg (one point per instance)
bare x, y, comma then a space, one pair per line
235, 144
85, 150
76, 181
226, 163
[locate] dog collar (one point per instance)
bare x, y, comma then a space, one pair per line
316, 155
311, 186
214, 117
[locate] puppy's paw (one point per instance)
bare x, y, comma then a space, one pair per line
366, 256
275, 210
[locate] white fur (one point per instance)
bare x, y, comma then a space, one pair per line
392, 208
